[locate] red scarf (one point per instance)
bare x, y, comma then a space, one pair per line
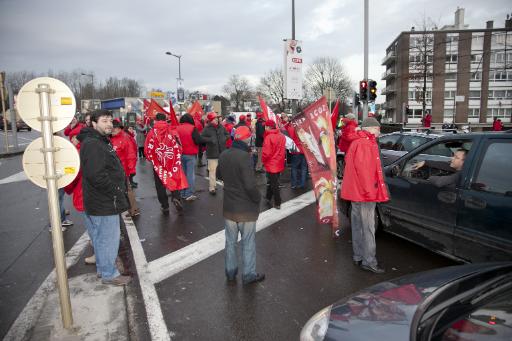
164, 152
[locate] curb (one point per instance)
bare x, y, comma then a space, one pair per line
9, 154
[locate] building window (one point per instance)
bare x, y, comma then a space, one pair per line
476, 57
450, 94
499, 112
448, 114
451, 58
476, 76
474, 94
450, 76
474, 112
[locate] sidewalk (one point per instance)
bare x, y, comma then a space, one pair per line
12, 151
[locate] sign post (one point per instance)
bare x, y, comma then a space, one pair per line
55, 103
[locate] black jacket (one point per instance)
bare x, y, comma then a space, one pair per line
241, 196
215, 140
260, 132
103, 177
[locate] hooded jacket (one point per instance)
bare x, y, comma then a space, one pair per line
215, 137
348, 134
103, 177
189, 135
126, 150
363, 179
241, 196
274, 151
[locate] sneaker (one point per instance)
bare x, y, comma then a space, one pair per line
375, 269
257, 278
165, 210
90, 260
191, 198
213, 192
119, 280
277, 207
357, 262
67, 223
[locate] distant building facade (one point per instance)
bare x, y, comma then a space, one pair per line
467, 74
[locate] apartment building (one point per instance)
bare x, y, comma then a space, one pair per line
464, 74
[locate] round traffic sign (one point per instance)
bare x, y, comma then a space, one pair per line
62, 103
67, 162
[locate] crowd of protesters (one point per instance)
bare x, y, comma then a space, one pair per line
235, 152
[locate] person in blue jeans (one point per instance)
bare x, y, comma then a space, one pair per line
190, 140
240, 207
299, 166
104, 193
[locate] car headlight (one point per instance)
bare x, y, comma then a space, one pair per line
316, 328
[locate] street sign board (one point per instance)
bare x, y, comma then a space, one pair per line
67, 162
62, 103
293, 69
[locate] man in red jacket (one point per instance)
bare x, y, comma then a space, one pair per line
127, 153
272, 156
348, 130
364, 186
190, 141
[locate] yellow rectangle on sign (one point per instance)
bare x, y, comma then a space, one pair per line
66, 101
69, 170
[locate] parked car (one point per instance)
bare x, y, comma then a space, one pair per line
465, 302
21, 125
395, 145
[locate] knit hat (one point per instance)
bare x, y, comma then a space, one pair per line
370, 122
242, 118
270, 124
211, 116
242, 133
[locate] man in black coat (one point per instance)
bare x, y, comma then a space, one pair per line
215, 136
240, 207
105, 194
260, 133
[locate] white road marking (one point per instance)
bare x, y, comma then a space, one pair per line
177, 261
28, 317
157, 327
21, 176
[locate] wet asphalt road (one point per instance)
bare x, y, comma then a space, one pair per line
306, 269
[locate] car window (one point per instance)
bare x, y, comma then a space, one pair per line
388, 141
409, 143
435, 160
495, 172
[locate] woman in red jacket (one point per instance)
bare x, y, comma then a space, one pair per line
273, 157
348, 131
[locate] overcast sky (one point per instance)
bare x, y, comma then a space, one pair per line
217, 38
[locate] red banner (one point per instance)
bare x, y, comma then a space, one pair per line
314, 129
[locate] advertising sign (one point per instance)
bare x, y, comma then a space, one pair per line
314, 129
293, 69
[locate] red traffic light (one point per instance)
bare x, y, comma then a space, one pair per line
363, 84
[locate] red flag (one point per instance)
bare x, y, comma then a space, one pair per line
268, 114
196, 110
335, 115
172, 113
154, 108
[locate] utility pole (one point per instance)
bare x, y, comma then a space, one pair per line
294, 101
365, 103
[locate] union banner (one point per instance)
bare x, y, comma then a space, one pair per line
314, 129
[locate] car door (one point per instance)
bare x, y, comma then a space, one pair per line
484, 222
418, 210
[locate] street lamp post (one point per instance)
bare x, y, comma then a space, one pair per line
180, 80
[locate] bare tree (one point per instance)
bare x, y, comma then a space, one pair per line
272, 87
17, 79
324, 73
421, 60
238, 90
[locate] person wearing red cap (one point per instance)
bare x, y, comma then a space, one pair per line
273, 157
215, 136
241, 205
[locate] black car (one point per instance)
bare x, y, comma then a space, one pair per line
468, 302
468, 219
395, 145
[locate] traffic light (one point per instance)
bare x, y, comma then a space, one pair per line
373, 90
363, 90
356, 100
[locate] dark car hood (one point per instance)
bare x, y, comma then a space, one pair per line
385, 311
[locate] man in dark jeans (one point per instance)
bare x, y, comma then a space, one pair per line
260, 132
273, 157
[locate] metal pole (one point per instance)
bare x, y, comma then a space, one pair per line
294, 101
2, 76
13, 117
179, 67
365, 103
53, 201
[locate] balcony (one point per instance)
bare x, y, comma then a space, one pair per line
391, 56
388, 90
390, 73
